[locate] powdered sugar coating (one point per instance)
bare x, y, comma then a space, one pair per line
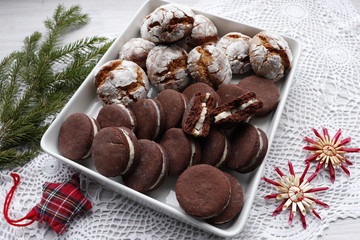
270, 55
136, 50
209, 64
167, 23
204, 31
166, 67
121, 81
236, 47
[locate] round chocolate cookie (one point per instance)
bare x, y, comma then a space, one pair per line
235, 204
265, 90
229, 92
166, 67
249, 147
174, 104
197, 117
192, 89
203, 191
76, 136
167, 23
209, 64
115, 151
116, 115
215, 148
183, 150
151, 170
150, 117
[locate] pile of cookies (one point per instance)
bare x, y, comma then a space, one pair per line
197, 125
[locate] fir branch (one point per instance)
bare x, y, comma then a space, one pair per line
62, 54
12, 158
32, 88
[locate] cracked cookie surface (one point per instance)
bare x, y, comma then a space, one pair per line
236, 47
136, 50
121, 81
204, 31
209, 64
270, 55
167, 23
166, 67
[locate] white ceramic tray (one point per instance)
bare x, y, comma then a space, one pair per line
163, 199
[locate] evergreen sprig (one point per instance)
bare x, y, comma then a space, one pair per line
38, 80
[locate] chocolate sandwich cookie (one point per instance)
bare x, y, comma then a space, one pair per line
76, 136
150, 117
151, 170
265, 90
197, 120
229, 92
215, 148
249, 147
233, 112
203, 191
192, 89
174, 104
115, 151
116, 115
183, 150
235, 204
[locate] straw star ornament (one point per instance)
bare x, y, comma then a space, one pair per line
296, 192
329, 152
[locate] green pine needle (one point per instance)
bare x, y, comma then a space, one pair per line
38, 80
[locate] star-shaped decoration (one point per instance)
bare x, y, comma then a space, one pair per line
59, 204
329, 152
295, 192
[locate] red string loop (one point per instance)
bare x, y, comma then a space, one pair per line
7, 203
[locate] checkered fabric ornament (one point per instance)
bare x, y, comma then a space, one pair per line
59, 204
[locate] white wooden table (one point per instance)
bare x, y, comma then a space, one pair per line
20, 18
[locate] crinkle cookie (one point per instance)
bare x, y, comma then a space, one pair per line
166, 67
208, 64
204, 31
121, 81
270, 55
236, 48
167, 23
136, 50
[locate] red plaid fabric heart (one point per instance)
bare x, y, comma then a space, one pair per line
59, 204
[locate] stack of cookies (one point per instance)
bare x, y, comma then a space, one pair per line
197, 128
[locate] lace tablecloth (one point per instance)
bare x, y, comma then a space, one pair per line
325, 93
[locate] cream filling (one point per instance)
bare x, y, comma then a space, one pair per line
131, 150
157, 119
132, 122
228, 113
223, 157
200, 123
193, 151
95, 131
162, 174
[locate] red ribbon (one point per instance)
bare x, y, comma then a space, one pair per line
7, 203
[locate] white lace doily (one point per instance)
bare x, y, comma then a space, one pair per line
325, 94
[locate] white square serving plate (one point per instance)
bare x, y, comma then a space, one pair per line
164, 199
